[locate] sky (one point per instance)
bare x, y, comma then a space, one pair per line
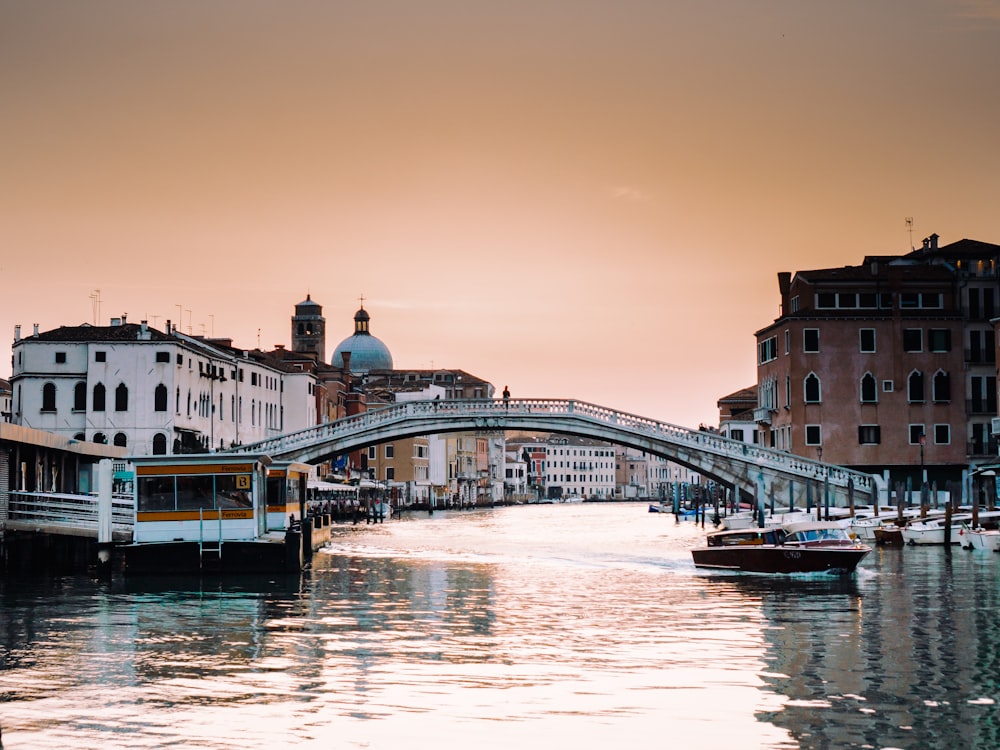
575, 198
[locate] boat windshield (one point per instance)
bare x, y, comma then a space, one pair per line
818, 535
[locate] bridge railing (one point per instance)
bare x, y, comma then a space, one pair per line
494, 410
74, 514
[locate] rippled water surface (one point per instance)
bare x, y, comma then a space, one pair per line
559, 626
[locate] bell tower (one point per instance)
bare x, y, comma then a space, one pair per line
309, 329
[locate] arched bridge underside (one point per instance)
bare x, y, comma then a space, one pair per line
761, 473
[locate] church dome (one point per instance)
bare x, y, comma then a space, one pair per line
367, 351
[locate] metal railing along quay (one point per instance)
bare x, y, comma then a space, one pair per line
72, 515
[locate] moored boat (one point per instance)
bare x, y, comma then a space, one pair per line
981, 539
799, 547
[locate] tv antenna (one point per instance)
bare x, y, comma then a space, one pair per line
95, 303
909, 228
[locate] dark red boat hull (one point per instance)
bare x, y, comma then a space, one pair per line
779, 559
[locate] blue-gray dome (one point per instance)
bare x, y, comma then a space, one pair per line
367, 351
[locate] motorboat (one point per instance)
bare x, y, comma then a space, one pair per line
797, 547
981, 539
380, 511
932, 530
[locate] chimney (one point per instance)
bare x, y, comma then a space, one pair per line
36, 329
17, 333
784, 286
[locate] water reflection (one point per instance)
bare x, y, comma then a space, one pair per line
590, 629
893, 659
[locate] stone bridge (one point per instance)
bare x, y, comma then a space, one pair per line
769, 476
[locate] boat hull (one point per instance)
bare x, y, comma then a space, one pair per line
779, 559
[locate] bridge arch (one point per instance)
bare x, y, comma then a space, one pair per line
752, 471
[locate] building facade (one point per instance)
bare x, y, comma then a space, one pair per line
154, 392
889, 366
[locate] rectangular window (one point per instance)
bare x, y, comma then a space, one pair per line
916, 432
847, 300
887, 386
788, 342
814, 434
180, 360
767, 350
810, 340
826, 300
390, 451
942, 434
795, 304
867, 340
868, 300
869, 434
101, 356
163, 356
913, 340
909, 300
939, 340
60, 358
390, 473
372, 455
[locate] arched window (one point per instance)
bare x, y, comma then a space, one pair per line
811, 386
99, 394
941, 387
915, 387
121, 397
80, 397
80, 436
100, 437
159, 444
49, 397
160, 398
120, 440
869, 388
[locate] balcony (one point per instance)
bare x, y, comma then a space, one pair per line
983, 447
762, 415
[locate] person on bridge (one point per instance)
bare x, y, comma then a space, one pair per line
506, 397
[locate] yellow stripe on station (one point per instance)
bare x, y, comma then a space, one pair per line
185, 469
192, 515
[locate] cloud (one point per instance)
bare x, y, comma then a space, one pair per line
980, 9
629, 194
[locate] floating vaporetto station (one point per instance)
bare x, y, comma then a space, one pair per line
214, 513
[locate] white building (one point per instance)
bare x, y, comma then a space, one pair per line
568, 467
6, 397
152, 392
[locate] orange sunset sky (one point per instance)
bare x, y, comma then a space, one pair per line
575, 198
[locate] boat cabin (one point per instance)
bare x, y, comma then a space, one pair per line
733, 537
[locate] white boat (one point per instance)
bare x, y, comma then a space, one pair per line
380, 510
982, 539
931, 530
865, 524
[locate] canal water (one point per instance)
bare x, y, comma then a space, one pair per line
558, 626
